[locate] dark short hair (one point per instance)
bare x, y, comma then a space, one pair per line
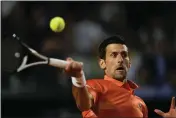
116, 39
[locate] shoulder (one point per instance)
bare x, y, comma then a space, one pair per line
144, 107
142, 102
140, 99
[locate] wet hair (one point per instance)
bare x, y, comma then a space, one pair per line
116, 39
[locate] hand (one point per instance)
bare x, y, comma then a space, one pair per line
74, 68
171, 113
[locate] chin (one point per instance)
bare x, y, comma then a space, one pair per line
119, 77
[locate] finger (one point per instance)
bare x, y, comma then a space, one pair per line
159, 112
69, 59
173, 103
68, 67
77, 66
81, 63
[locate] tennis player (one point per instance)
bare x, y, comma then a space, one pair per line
113, 96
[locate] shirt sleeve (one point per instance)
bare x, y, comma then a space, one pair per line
94, 89
144, 108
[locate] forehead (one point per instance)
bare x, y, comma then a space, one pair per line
116, 48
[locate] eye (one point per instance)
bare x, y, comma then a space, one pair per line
113, 54
124, 54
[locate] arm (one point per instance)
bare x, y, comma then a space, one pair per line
83, 98
86, 96
82, 93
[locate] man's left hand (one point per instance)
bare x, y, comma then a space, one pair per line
171, 113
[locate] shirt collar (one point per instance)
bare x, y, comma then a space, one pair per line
120, 84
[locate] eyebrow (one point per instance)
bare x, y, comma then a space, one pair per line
126, 51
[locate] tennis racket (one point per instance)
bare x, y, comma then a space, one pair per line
23, 57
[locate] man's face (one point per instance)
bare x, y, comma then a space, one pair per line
117, 62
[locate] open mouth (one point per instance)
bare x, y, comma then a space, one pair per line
120, 69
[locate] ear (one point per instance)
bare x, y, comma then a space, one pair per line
102, 64
129, 64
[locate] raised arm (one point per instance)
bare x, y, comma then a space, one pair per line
83, 98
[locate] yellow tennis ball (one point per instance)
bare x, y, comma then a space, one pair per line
57, 24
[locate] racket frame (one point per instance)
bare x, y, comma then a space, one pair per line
24, 64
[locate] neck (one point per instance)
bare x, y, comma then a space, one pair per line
119, 79
122, 80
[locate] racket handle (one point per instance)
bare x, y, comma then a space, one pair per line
57, 63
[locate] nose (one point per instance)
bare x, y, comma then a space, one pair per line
119, 58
